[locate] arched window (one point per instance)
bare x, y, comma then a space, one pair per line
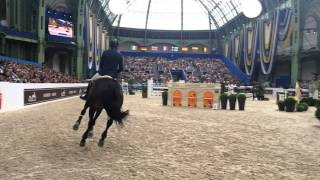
208, 99
176, 98
192, 99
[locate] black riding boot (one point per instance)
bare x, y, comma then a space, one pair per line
84, 96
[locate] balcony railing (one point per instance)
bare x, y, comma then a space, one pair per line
16, 33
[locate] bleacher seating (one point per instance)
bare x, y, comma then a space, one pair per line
21, 71
232, 68
19, 61
140, 69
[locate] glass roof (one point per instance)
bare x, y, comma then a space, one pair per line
178, 14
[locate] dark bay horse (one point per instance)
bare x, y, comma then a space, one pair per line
104, 94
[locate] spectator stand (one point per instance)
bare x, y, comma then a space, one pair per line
10, 32
176, 55
24, 83
21, 71
19, 61
140, 69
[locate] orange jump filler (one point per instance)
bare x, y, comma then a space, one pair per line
194, 95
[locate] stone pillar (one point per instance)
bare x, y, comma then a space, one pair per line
19, 14
80, 41
107, 40
41, 31
297, 40
8, 12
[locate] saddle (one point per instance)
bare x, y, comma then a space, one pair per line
92, 83
100, 77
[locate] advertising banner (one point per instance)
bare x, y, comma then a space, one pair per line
34, 96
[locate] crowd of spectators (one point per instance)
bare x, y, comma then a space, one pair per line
136, 69
139, 69
23, 73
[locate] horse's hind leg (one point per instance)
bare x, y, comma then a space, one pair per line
96, 115
105, 133
78, 122
90, 127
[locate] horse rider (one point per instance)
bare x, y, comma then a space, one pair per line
111, 65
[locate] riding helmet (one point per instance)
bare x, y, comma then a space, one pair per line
114, 43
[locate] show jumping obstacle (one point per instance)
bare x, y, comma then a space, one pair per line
194, 95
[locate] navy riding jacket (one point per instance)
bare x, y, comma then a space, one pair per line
111, 63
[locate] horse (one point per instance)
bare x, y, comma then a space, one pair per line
103, 95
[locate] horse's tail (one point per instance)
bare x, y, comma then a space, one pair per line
119, 120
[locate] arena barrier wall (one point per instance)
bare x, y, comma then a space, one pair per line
270, 91
15, 96
195, 95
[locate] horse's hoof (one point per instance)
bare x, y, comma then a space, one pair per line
82, 143
90, 134
101, 143
76, 126
128, 112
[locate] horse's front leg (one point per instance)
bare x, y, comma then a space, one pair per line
90, 127
78, 122
105, 133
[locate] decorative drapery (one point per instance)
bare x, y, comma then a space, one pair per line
268, 42
85, 33
285, 27
237, 50
261, 42
226, 48
103, 43
98, 46
250, 47
91, 40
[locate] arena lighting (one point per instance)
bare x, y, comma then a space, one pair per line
251, 8
118, 6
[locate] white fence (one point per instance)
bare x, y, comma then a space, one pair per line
155, 89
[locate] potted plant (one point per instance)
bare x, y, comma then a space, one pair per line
304, 100
310, 101
224, 100
241, 101
223, 88
144, 92
301, 108
318, 113
165, 98
317, 103
260, 93
232, 101
305, 105
281, 105
131, 92
290, 104
130, 87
